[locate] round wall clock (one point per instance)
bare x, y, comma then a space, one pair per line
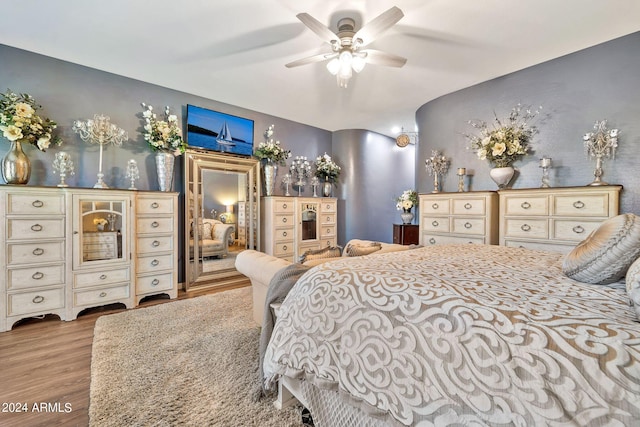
403, 140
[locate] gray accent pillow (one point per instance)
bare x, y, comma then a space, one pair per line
606, 254
362, 249
328, 252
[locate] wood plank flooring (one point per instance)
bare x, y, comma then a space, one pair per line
45, 367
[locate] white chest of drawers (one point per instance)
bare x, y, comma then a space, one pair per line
554, 219
452, 218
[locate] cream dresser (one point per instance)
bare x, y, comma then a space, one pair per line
554, 219
466, 217
59, 260
292, 225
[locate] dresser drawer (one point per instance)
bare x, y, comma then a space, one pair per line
469, 207
432, 239
440, 224
36, 252
328, 218
284, 234
149, 245
435, 206
528, 205
283, 219
155, 225
101, 296
22, 303
97, 278
35, 204
539, 246
526, 227
328, 207
283, 249
154, 205
154, 263
31, 277
472, 226
576, 231
327, 241
155, 283
327, 231
283, 206
581, 205
29, 228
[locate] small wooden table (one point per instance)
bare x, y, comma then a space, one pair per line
406, 234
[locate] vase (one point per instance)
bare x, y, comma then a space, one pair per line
502, 176
327, 186
164, 168
269, 172
16, 167
407, 216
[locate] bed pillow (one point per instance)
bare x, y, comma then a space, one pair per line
606, 254
314, 254
633, 285
359, 249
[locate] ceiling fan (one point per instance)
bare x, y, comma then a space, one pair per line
347, 45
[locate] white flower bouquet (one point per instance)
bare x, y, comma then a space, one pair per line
163, 135
271, 150
19, 121
326, 168
407, 200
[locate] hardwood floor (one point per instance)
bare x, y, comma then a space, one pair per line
45, 367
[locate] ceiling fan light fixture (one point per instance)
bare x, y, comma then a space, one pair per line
358, 63
333, 66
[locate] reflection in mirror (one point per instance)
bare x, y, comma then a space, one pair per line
309, 223
221, 213
101, 230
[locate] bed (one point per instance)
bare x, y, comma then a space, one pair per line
457, 335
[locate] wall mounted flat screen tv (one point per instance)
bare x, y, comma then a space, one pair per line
212, 130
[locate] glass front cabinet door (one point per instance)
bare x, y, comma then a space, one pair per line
308, 226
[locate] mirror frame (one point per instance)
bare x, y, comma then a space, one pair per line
195, 163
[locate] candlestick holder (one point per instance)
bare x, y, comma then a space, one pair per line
64, 165
286, 181
436, 165
545, 165
314, 183
132, 173
461, 174
300, 169
601, 144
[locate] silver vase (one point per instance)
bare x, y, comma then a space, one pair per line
16, 167
164, 166
407, 216
269, 172
326, 188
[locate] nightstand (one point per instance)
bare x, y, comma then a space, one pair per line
406, 234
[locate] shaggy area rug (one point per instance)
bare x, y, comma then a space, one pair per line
191, 362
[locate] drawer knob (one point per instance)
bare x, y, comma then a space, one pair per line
155, 282
328, 219
525, 205
155, 262
103, 294
525, 227
578, 229
38, 251
435, 223
435, 206
284, 234
467, 225
284, 219
432, 241
155, 244
284, 206
103, 276
36, 227
38, 299
37, 275
155, 205
155, 224
37, 203
328, 230
284, 247
467, 206
578, 204
328, 242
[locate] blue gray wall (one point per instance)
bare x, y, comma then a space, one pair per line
602, 82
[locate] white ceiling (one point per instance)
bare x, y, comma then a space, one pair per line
234, 51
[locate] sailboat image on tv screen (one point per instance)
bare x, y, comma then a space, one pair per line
224, 138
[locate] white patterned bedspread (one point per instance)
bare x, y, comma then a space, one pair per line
464, 334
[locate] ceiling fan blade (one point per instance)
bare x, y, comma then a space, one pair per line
379, 24
378, 57
311, 59
319, 28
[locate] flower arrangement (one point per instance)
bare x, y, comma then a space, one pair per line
407, 200
163, 135
100, 222
270, 150
326, 168
19, 121
506, 142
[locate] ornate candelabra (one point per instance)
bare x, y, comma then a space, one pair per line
286, 181
601, 144
315, 182
461, 174
64, 165
436, 165
545, 164
132, 173
100, 131
300, 169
